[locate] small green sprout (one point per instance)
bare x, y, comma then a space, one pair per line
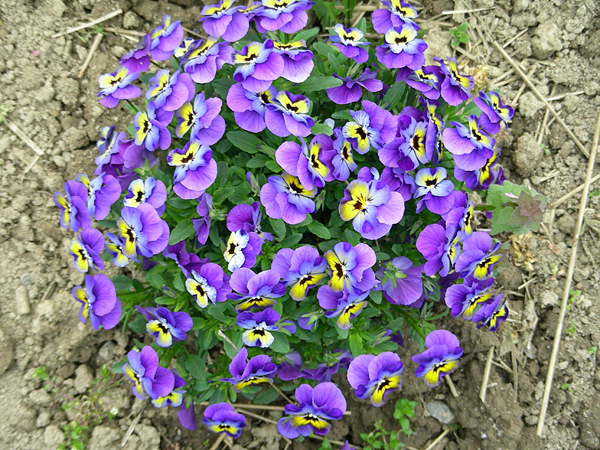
593, 350
403, 410
571, 329
459, 35
566, 387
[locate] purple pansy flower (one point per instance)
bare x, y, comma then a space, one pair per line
205, 57
255, 290
257, 66
477, 258
400, 181
173, 398
371, 205
117, 86
222, 418
147, 376
183, 259
86, 249
373, 377
351, 267
241, 250
202, 225
372, 127
433, 190
307, 162
249, 108
187, 416
302, 269
285, 198
440, 247
347, 41
138, 60
207, 283
471, 146
74, 213
462, 213
141, 229
344, 305
103, 191
401, 281
402, 48
291, 367
440, 358
342, 159
258, 370
289, 114
465, 299
456, 87
183, 49
481, 179
396, 14
166, 326
426, 80
195, 169
287, 16
258, 327
109, 146
297, 60
151, 128
98, 301
315, 407
224, 21
115, 249
492, 314
247, 218
494, 112
165, 39
170, 92
203, 118
408, 150
351, 90
149, 191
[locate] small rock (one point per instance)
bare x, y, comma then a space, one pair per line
22, 301
149, 437
40, 396
529, 104
531, 420
6, 353
520, 5
440, 411
43, 419
56, 7
566, 224
107, 351
25, 279
131, 20
23, 417
84, 378
104, 438
527, 155
571, 103
547, 39
53, 436
549, 298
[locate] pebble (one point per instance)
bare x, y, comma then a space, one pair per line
547, 39
84, 378
527, 155
53, 436
43, 419
40, 396
529, 104
22, 301
440, 410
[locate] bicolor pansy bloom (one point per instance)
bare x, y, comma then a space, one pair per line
301, 269
183, 49
351, 267
478, 258
170, 92
401, 281
203, 118
222, 418
249, 108
372, 127
247, 218
259, 327
195, 169
352, 89
205, 57
440, 246
402, 48
117, 86
184, 260
371, 206
396, 14
465, 299
115, 249
165, 39
471, 146
86, 249
259, 369
224, 21
492, 315
307, 162
108, 146
103, 191
494, 111
74, 212
289, 114
316, 406
173, 398
408, 150
433, 190
373, 377
285, 198
481, 178
343, 305
138, 60
400, 181
151, 128
255, 290
456, 87
147, 376
348, 42
207, 284
462, 214
166, 326
342, 159
257, 66
440, 358
142, 230
297, 60
241, 250
287, 16
427, 80
150, 190
99, 302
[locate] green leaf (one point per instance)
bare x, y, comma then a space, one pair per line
324, 49
222, 171
182, 230
291, 240
278, 227
116, 368
305, 35
273, 166
319, 229
196, 367
121, 282
321, 128
258, 161
394, 94
356, 344
107, 223
222, 194
266, 397
222, 85
501, 220
319, 83
244, 141
342, 115
280, 344
375, 296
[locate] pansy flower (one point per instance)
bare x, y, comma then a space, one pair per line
482, 178
287, 16
151, 128
166, 326
396, 14
86, 250
352, 89
249, 107
207, 283
149, 191
195, 169
109, 146
462, 214
494, 111
241, 250
255, 290
401, 281
351, 267
117, 86
247, 218
342, 159
372, 127
471, 146
348, 42
141, 229
224, 21
426, 80
291, 367
165, 39
184, 260
205, 57
307, 162
408, 150
257, 66
289, 114
373, 377
492, 314
259, 327
371, 206
440, 358
440, 246
98, 301
103, 191
170, 92
257, 370
147, 376
183, 49
456, 87
285, 198
138, 60
316, 406
297, 60
115, 248
222, 418
402, 48
478, 258
465, 299
173, 398
400, 181
202, 225
74, 213
203, 118
433, 190
343, 305
302, 269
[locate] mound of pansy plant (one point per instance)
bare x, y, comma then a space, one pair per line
298, 206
